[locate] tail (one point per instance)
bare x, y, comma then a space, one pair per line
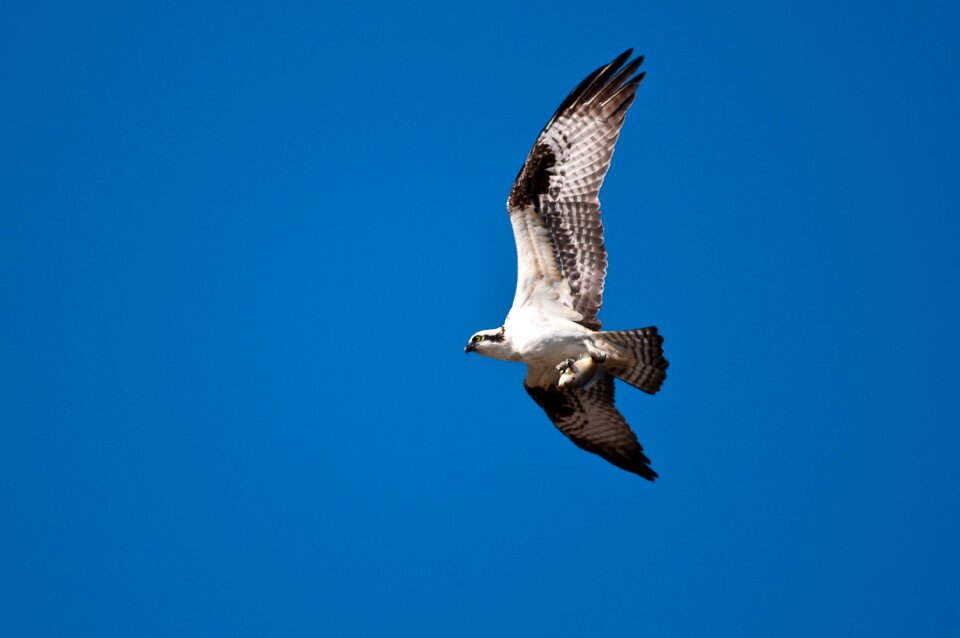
636, 357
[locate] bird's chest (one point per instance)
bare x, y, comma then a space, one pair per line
546, 340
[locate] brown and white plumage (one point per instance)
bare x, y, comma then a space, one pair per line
558, 189
589, 418
554, 209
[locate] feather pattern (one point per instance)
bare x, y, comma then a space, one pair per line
554, 205
552, 326
589, 418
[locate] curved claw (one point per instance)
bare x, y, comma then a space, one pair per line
565, 365
581, 372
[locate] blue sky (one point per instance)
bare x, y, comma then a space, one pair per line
242, 247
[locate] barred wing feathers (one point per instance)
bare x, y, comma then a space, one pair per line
554, 204
589, 418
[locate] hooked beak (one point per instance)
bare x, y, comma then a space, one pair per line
471, 347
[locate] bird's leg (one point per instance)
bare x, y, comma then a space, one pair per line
563, 366
600, 356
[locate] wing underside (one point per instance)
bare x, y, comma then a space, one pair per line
589, 418
554, 204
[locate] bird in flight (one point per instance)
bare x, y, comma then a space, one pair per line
561, 264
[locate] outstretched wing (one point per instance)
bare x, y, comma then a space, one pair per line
554, 204
589, 418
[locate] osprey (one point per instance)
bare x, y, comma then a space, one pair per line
561, 264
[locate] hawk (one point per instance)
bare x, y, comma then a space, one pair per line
561, 264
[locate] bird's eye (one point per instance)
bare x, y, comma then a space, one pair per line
477, 338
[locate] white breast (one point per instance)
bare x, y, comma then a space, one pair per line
544, 339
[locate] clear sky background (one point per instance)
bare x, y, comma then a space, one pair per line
242, 248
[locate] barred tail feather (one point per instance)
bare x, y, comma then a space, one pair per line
638, 358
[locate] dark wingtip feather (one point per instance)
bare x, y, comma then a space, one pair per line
623, 57
573, 96
596, 82
647, 473
638, 464
614, 85
621, 100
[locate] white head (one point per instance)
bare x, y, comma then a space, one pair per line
490, 343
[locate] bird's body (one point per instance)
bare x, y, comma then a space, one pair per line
561, 264
537, 338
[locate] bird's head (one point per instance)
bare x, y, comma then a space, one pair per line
492, 343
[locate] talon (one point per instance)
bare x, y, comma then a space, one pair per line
580, 372
567, 377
